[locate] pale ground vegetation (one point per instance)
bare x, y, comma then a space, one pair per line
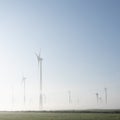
58, 116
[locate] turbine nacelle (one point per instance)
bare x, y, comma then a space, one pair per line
39, 59
24, 78
97, 94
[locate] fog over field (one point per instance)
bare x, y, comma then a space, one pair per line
71, 48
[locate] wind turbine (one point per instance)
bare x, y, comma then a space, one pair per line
97, 96
24, 82
78, 101
39, 59
12, 98
69, 97
44, 98
100, 98
105, 95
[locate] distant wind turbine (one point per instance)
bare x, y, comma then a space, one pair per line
97, 96
44, 98
105, 95
39, 59
24, 82
12, 98
78, 101
69, 97
100, 98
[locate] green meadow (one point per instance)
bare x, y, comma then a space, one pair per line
57, 116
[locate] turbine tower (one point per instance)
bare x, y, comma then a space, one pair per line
105, 95
97, 96
69, 97
78, 101
100, 98
24, 82
12, 98
39, 59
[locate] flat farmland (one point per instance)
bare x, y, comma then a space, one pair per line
58, 116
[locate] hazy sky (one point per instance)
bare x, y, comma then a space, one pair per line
80, 44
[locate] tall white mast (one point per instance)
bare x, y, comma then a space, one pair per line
40, 77
24, 82
69, 97
97, 96
106, 95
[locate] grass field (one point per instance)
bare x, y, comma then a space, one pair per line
57, 116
